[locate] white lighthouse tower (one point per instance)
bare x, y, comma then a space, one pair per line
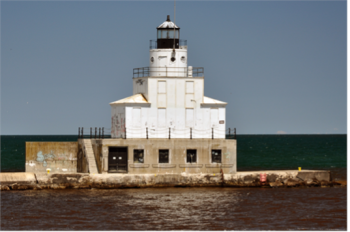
168, 96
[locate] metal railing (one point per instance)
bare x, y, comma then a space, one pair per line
229, 135
172, 133
168, 72
92, 133
153, 43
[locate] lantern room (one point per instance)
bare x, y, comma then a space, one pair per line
168, 34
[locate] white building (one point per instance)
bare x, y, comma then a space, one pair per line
168, 96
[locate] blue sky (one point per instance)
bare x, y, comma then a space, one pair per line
281, 66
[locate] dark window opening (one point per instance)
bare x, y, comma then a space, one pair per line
163, 156
191, 156
139, 156
216, 156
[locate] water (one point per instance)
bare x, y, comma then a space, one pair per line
190, 208
175, 209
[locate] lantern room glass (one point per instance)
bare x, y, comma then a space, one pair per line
167, 34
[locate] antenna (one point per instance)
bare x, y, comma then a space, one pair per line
174, 25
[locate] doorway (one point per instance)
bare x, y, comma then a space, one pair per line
118, 159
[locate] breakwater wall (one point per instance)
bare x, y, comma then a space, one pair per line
37, 181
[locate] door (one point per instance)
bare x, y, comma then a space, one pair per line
118, 159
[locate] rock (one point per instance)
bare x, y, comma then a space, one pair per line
292, 183
309, 182
249, 178
272, 177
313, 182
302, 183
334, 183
5, 188
276, 184
17, 187
55, 186
37, 187
325, 183
341, 182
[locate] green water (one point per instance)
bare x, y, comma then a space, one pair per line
254, 152
271, 152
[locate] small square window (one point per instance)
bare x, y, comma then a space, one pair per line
138, 156
163, 156
191, 156
216, 156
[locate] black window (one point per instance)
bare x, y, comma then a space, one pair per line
138, 156
216, 156
191, 156
163, 156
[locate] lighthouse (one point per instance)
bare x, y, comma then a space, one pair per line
168, 96
168, 125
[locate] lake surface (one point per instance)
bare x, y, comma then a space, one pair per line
175, 209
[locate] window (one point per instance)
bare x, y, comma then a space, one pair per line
163, 156
139, 156
191, 156
216, 156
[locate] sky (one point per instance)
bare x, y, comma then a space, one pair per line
280, 65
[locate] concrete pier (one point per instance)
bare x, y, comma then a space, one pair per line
283, 178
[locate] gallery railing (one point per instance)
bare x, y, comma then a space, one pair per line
168, 71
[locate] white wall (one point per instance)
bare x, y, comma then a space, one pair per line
175, 91
159, 120
118, 121
140, 85
161, 64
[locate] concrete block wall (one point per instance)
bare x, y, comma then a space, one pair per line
59, 157
71, 157
177, 153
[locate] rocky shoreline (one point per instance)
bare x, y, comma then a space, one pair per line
274, 179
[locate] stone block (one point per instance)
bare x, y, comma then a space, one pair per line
17, 177
275, 184
323, 176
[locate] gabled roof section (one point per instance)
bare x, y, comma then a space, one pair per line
211, 101
137, 99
